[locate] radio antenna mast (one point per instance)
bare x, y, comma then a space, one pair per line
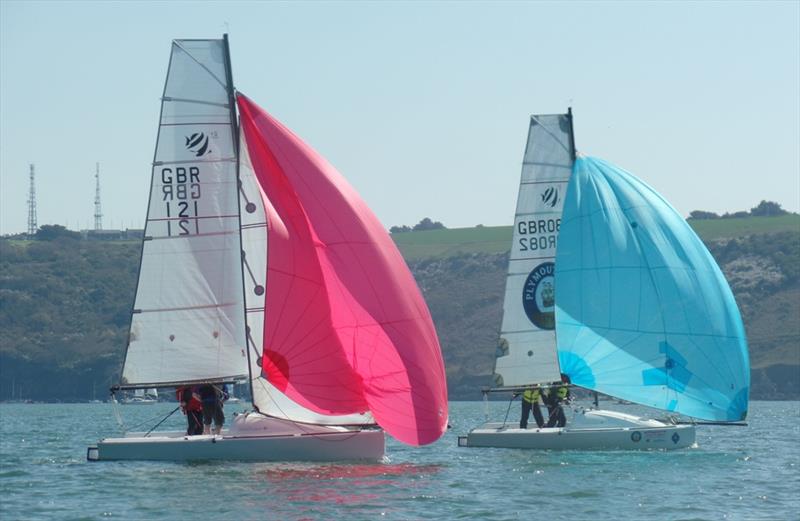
98, 212
32, 226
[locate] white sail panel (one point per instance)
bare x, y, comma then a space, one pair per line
267, 398
197, 72
188, 318
526, 352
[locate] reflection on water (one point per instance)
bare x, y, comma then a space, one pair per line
342, 484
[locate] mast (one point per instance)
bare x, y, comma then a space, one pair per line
236, 145
571, 134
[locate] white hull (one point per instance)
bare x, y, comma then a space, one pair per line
252, 437
588, 430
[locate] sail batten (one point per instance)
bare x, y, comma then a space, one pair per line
199, 102
195, 161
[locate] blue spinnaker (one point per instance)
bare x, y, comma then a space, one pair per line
643, 312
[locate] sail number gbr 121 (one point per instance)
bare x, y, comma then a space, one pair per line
538, 234
180, 191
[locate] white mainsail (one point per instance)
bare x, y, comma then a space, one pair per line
526, 352
188, 317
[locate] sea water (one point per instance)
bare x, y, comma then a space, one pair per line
739, 473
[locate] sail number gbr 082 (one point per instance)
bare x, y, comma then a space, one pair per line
180, 190
538, 234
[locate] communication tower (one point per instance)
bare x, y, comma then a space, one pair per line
32, 227
98, 213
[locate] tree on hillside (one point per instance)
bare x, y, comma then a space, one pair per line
768, 209
51, 232
702, 214
399, 229
427, 224
735, 215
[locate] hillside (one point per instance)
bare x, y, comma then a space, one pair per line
496, 239
64, 305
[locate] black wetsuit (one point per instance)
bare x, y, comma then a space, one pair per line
212, 406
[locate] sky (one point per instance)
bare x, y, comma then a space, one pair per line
422, 106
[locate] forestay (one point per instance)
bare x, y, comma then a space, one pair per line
188, 318
526, 353
643, 311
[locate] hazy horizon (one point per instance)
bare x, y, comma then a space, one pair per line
423, 107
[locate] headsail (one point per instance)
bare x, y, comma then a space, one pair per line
643, 312
188, 318
266, 397
346, 329
526, 353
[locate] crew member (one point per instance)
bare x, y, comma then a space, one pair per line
530, 400
211, 397
192, 407
558, 395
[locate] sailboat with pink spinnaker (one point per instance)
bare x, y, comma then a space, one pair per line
262, 265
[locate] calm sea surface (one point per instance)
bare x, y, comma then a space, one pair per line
734, 473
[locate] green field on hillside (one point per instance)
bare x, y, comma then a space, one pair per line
710, 229
443, 243
497, 239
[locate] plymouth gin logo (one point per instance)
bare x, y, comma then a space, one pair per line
539, 297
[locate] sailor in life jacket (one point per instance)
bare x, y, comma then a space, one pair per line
530, 400
192, 407
558, 395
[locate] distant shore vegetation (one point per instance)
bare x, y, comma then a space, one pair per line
763, 209
424, 225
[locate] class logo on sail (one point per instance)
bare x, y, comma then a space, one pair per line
539, 297
550, 197
198, 144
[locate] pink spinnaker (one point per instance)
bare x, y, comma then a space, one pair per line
346, 328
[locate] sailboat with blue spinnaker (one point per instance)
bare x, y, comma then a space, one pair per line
610, 289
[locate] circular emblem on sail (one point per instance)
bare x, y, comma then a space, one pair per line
550, 197
636, 436
538, 296
197, 143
